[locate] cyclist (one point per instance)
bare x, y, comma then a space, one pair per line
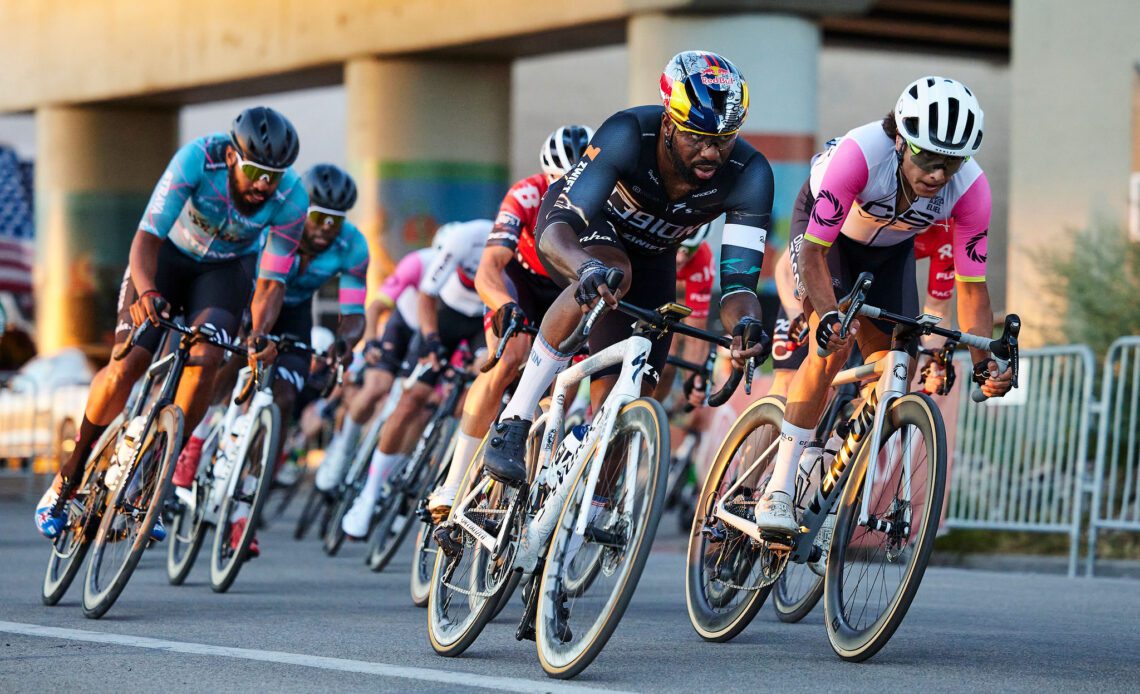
195, 252
512, 283
650, 178
385, 358
867, 197
450, 312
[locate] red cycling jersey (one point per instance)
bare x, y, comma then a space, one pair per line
937, 243
514, 225
697, 275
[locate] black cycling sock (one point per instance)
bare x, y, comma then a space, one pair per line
89, 433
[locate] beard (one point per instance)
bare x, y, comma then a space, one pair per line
685, 172
246, 208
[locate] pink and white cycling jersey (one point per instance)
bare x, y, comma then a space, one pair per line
855, 182
401, 288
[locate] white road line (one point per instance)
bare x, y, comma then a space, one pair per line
462, 679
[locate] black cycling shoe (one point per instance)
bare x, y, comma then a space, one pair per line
503, 457
561, 624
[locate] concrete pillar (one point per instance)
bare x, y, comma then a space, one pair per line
95, 169
779, 56
427, 143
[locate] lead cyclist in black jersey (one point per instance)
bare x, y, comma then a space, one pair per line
650, 178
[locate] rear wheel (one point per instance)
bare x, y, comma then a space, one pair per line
723, 587
188, 528
333, 535
132, 508
874, 568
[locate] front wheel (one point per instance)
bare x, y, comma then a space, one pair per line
254, 474
571, 630
875, 567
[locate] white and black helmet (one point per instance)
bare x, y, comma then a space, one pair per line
563, 149
940, 115
694, 242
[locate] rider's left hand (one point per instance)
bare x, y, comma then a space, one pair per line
758, 350
994, 384
261, 350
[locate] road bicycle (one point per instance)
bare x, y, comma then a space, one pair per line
582, 556
886, 485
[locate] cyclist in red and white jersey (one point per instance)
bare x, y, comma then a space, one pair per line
869, 194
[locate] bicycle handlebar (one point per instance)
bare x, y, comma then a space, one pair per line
572, 344
514, 326
290, 343
199, 333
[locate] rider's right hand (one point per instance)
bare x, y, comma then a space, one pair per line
503, 316
434, 353
150, 306
373, 350
827, 333
592, 285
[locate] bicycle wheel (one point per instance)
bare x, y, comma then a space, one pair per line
874, 568
254, 477
316, 503
398, 516
423, 561
124, 530
333, 535
571, 631
723, 577
188, 528
468, 581
70, 547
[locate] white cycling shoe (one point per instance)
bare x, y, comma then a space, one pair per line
331, 471
774, 512
441, 500
823, 541
358, 520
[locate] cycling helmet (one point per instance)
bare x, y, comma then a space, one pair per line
694, 242
321, 338
704, 93
330, 187
563, 149
940, 115
264, 136
442, 233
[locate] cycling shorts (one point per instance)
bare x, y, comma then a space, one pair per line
786, 354
653, 283
454, 328
533, 293
293, 366
894, 289
395, 344
203, 293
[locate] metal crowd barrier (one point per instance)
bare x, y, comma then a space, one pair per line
1116, 488
1018, 461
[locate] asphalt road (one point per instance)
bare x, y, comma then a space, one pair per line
298, 621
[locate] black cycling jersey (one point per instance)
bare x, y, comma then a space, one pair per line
618, 177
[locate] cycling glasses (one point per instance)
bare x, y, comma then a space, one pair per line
324, 217
929, 161
699, 141
259, 172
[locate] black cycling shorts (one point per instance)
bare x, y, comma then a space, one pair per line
454, 328
786, 354
293, 366
395, 345
213, 293
895, 288
653, 283
533, 293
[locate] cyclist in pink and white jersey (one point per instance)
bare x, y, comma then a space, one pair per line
870, 193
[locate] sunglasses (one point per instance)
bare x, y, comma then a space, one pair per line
259, 172
324, 217
929, 161
701, 140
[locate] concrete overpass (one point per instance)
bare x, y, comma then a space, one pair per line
423, 79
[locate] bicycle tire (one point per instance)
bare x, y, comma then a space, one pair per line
315, 502
224, 569
181, 556
706, 609
561, 661
333, 535
849, 641
99, 596
83, 521
423, 562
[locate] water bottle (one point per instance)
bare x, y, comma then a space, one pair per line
568, 449
124, 452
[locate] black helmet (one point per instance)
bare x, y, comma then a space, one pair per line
264, 136
330, 187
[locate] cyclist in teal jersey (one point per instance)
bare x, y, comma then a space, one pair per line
196, 253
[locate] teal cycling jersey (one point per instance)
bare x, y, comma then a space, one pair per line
192, 206
347, 257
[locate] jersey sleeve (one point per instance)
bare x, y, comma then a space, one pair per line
698, 278
444, 263
354, 278
182, 176
406, 275
845, 177
284, 235
611, 154
746, 222
971, 217
519, 206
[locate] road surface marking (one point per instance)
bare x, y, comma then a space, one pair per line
463, 679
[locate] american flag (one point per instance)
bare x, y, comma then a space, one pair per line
17, 225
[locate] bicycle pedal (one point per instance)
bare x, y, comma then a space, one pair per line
777, 542
447, 543
603, 537
714, 533
423, 515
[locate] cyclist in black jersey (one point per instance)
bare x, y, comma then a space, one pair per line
649, 179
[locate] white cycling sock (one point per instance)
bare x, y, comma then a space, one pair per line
465, 447
544, 364
596, 506
382, 467
349, 437
793, 440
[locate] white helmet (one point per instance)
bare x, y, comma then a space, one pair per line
940, 115
562, 149
694, 242
441, 235
321, 339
